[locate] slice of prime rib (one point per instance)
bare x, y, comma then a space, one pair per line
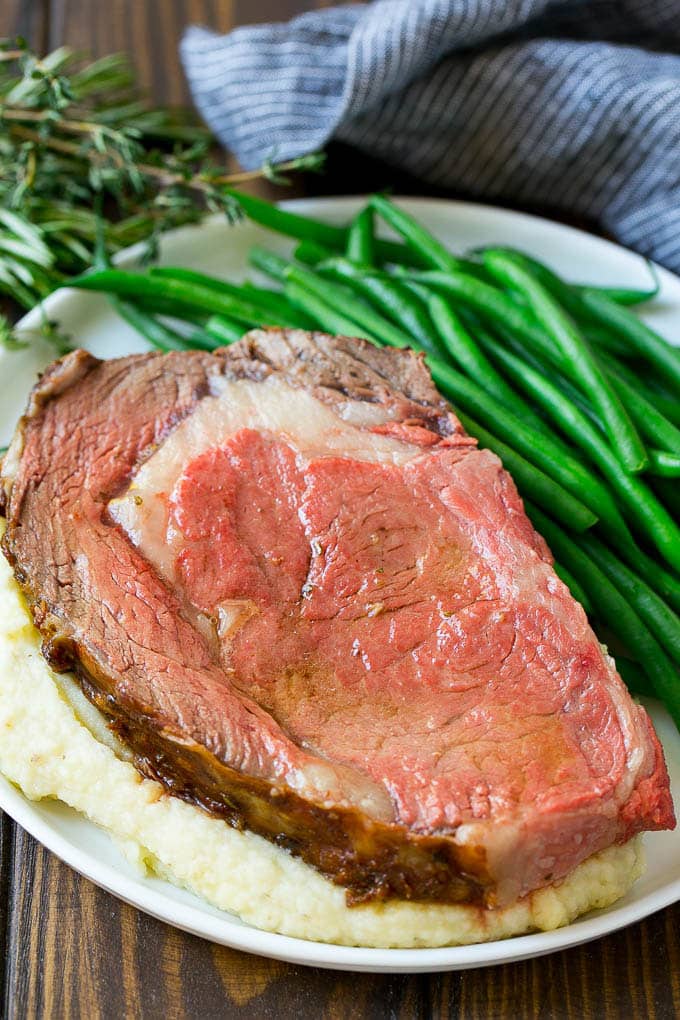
308, 603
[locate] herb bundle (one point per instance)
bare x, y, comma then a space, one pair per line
85, 161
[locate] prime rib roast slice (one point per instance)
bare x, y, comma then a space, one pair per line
308, 603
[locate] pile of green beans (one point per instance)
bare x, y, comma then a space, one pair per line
576, 395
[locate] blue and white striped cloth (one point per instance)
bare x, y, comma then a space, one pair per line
573, 104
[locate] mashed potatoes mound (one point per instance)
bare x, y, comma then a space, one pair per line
53, 743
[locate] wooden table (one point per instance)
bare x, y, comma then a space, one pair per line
71, 950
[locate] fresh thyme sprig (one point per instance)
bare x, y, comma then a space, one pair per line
78, 136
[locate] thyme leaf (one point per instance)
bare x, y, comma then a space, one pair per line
78, 142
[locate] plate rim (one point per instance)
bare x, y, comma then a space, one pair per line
243, 936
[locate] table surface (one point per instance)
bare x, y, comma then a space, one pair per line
71, 950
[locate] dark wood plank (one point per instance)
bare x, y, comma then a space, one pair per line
150, 32
76, 951
6, 935
28, 18
633, 973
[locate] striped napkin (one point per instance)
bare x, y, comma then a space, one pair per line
572, 104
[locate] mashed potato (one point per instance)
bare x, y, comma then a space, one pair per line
53, 743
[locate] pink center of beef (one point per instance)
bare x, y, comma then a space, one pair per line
351, 605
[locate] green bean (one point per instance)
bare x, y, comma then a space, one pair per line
201, 339
275, 302
614, 610
650, 570
634, 677
641, 506
650, 421
292, 224
255, 293
274, 306
344, 301
652, 610
530, 480
567, 293
632, 295
640, 337
471, 270
664, 464
489, 302
390, 297
225, 330
604, 337
666, 496
577, 590
543, 355
428, 249
172, 309
628, 295
604, 341
668, 492
186, 294
360, 240
520, 334
589, 375
304, 228
548, 453
639, 502
157, 334
268, 262
162, 336
329, 320
468, 356
649, 388
193, 276
311, 253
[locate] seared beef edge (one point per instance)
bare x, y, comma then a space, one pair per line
371, 860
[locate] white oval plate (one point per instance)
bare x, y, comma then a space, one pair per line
215, 247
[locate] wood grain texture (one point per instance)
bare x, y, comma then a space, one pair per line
147, 31
6, 936
28, 18
71, 950
75, 951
